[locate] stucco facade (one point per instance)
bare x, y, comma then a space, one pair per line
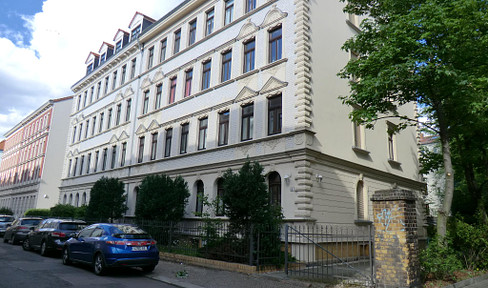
178, 107
30, 171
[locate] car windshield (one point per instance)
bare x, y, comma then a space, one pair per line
6, 219
71, 226
30, 221
128, 232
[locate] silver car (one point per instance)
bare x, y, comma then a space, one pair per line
5, 222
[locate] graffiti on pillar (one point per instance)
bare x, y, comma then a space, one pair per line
387, 216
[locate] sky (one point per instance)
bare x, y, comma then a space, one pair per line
44, 45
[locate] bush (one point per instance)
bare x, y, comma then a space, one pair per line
439, 260
6, 211
471, 242
37, 212
63, 210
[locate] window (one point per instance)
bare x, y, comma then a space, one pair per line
249, 49
159, 95
250, 5
391, 141
103, 58
79, 132
274, 115
114, 80
275, 45
219, 211
118, 46
150, 57
100, 125
76, 166
210, 22
185, 129
145, 103
154, 145
92, 91
167, 142
162, 52
176, 45
223, 128
124, 72
172, 90
105, 90
135, 33
123, 153
85, 97
94, 125
199, 200
73, 139
97, 156
133, 68
188, 79
117, 116
109, 120
229, 11
104, 159
360, 200
69, 166
79, 103
274, 188
358, 135
192, 35
207, 66
202, 133
247, 122
114, 157
88, 163
226, 65
127, 109
140, 155
87, 128
99, 87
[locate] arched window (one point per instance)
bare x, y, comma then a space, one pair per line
65, 198
77, 199
199, 200
220, 194
360, 200
83, 199
70, 199
274, 182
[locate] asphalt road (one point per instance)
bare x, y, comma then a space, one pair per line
19, 268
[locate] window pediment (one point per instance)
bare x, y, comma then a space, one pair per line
273, 84
248, 29
114, 139
128, 92
273, 16
146, 83
153, 126
246, 93
142, 129
123, 136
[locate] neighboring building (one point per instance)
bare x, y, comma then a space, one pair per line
2, 147
214, 83
30, 172
435, 180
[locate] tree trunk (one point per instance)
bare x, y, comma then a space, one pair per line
445, 210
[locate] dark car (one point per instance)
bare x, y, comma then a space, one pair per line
51, 234
112, 245
5, 222
19, 229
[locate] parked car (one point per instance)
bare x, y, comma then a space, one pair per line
112, 245
19, 229
5, 222
50, 235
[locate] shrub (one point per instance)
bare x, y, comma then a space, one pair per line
62, 210
37, 212
439, 260
107, 200
471, 242
6, 211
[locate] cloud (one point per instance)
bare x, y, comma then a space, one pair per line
62, 36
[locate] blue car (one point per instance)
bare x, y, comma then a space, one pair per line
112, 245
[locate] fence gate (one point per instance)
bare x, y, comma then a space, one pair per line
330, 253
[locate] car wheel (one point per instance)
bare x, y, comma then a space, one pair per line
26, 245
148, 269
43, 248
66, 260
99, 265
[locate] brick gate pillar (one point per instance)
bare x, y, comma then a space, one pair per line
395, 241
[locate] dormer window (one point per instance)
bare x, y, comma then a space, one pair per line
135, 33
118, 46
89, 68
103, 58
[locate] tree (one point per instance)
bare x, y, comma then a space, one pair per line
162, 198
433, 52
107, 199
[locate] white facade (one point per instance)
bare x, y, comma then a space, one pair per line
312, 147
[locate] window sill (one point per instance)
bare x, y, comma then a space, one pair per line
394, 163
360, 150
363, 222
353, 26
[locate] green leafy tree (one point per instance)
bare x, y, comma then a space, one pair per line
433, 52
62, 210
162, 198
37, 212
107, 199
6, 211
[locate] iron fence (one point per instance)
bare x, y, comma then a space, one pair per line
330, 253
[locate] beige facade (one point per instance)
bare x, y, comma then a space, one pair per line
172, 103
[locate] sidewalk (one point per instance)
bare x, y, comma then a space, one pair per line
198, 277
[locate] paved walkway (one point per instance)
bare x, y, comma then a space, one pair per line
477, 282
198, 277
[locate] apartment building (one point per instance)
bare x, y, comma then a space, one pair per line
32, 160
214, 83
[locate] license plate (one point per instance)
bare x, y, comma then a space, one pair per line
142, 248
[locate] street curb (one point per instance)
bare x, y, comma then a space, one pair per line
173, 282
468, 282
